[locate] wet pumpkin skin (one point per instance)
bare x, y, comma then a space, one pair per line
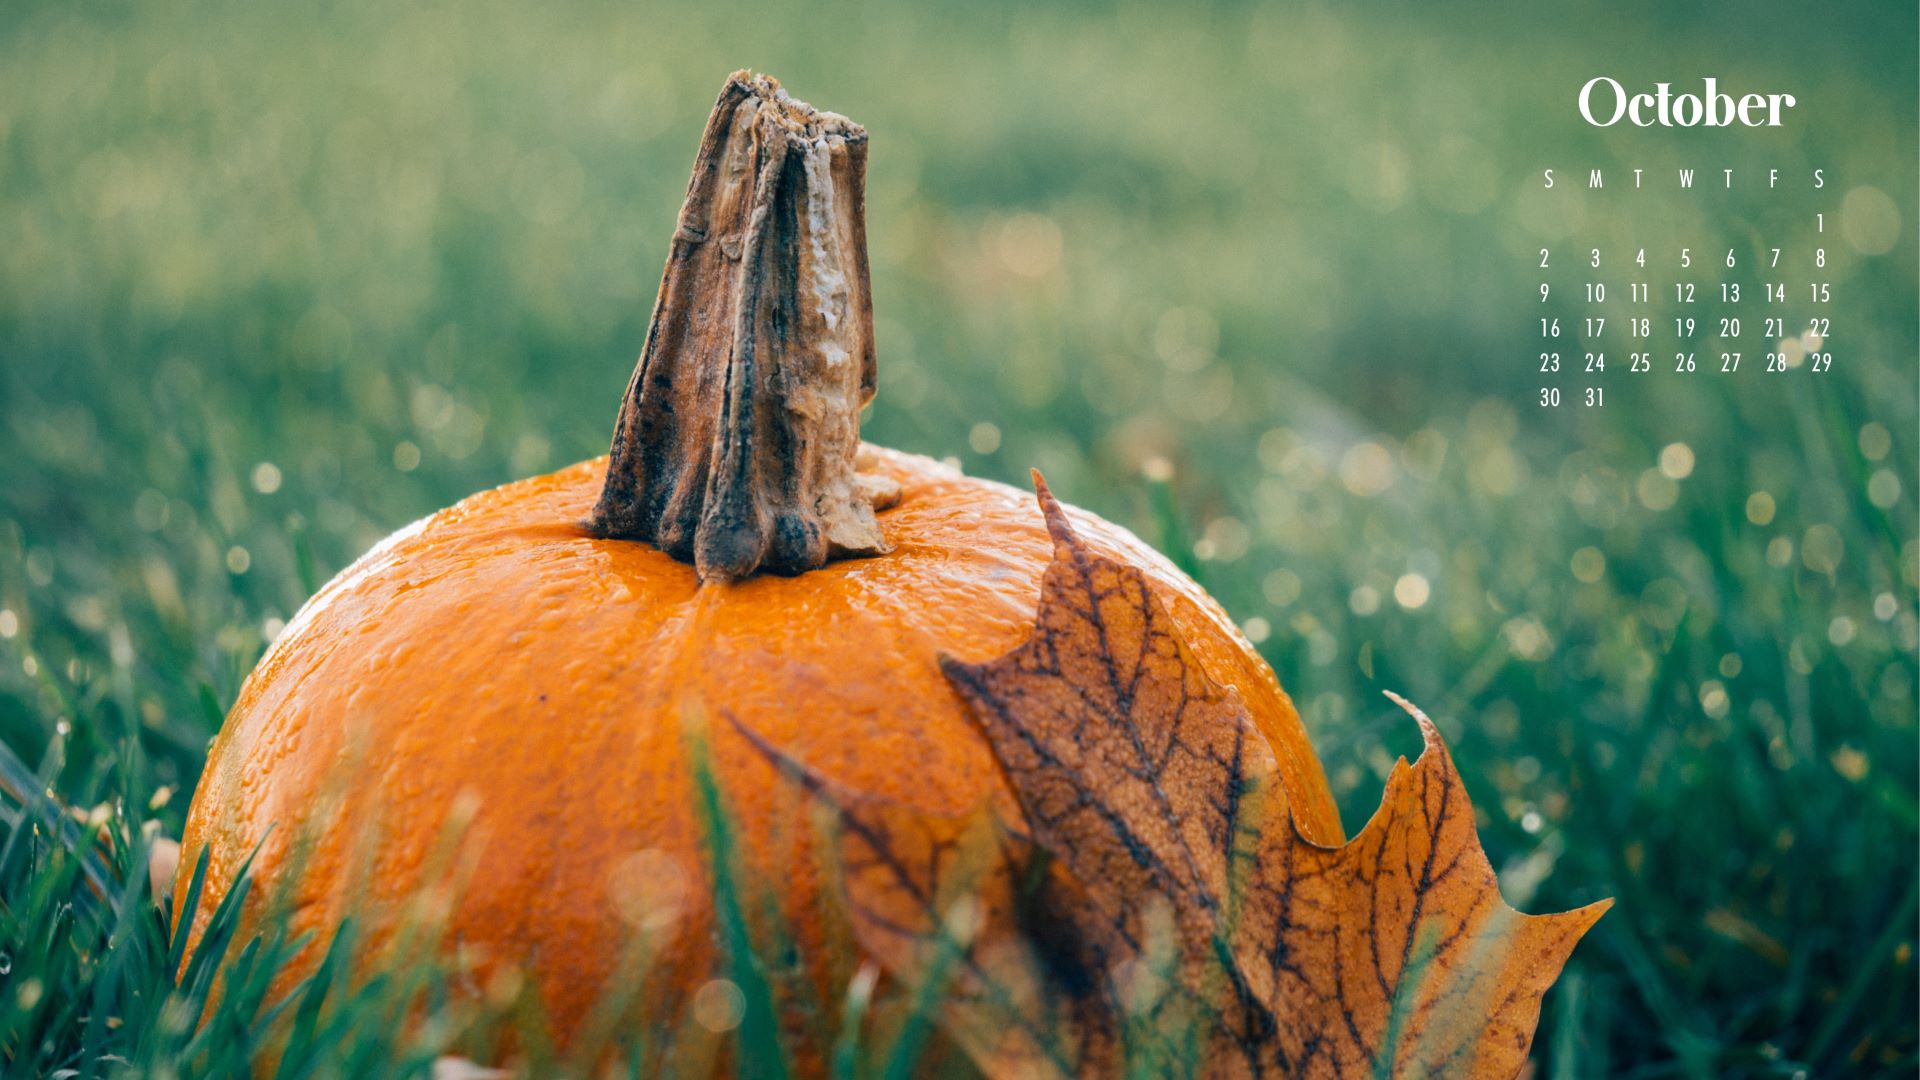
499, 658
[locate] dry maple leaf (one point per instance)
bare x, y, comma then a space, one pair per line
1156, 910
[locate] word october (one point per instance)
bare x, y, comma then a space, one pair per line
1710, 108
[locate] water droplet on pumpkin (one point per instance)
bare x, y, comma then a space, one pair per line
649, 889
719, 1006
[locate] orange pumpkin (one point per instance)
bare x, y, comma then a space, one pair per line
527, 658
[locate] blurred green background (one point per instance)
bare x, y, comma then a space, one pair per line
1260, 281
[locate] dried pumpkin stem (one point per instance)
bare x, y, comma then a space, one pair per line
736, 445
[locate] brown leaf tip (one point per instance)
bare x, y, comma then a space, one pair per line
1579, 919
1429, 732
1058, 527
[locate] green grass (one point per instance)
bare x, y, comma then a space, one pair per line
273, 283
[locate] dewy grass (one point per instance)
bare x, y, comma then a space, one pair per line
758, 1049
95, 982
211, 259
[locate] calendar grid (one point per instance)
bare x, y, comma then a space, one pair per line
1613, 316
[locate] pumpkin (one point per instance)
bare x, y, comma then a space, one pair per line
525, 662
